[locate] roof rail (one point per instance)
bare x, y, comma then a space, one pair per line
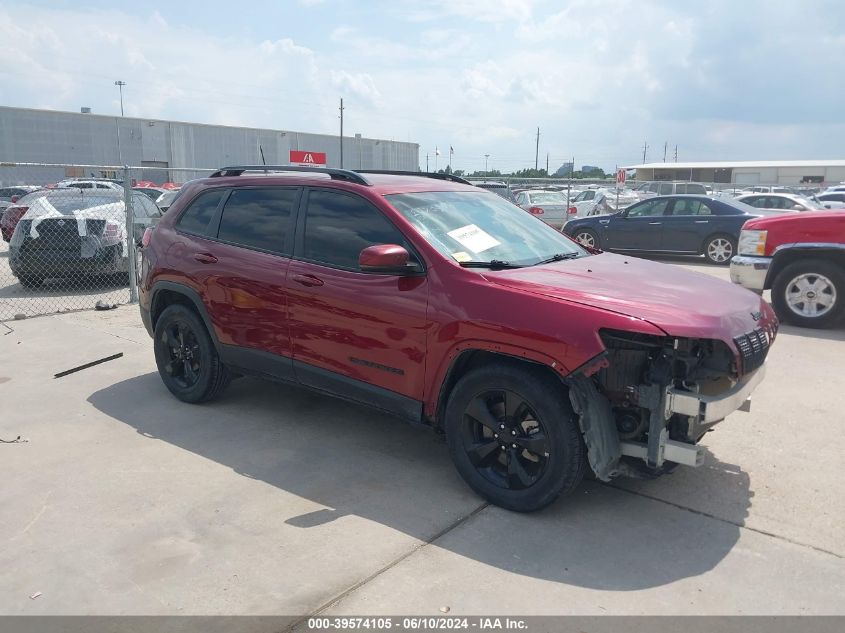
335, 174
420, 174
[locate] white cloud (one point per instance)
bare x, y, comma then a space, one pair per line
597, 76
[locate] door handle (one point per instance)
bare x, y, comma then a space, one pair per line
702, 221
205, 258
655, 223
308, 280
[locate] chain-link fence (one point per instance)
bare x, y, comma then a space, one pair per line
70, 233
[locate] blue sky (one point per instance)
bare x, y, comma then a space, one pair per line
754, 79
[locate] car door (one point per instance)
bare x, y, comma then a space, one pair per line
685, 225
639, 227
238, 260
356, 334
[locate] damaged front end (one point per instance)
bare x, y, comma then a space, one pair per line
647, 400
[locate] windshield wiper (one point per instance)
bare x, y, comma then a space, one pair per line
557, 257
493, 264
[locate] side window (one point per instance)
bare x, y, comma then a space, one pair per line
681, 188
196, 217
686, 206
589, 195
755, 201
665, 189
258, 218
520, 198
339, 226
654, 187
83, 185
647, 209
696, 189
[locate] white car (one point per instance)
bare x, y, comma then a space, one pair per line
780, 202
549, 206
89, 184
601, 201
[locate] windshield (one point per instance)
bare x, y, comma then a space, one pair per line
810, 204
468, 226
546, 197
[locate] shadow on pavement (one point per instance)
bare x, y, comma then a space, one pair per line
827, 335
358, 462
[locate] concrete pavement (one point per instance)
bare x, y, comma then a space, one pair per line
278, 501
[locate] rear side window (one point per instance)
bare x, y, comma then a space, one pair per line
665, 188
339, 226
690, 207
696, 188
197, 216
650, 208
258, 218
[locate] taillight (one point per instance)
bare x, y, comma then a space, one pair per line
572, 210
145, 239
535, 211
13, 215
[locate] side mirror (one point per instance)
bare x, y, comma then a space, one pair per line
386, 258
797, 207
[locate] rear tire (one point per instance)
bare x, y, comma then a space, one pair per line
587, 238
31, 281
513, 436
718, 249
810, 294
186, 357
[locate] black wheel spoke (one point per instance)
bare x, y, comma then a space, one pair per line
535, 443
515, 407
517, 475
190, 372
481, 452
479, 411
172, 341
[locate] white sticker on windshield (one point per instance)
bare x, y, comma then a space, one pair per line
473, 238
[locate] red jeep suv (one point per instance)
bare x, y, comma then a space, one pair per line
444, 304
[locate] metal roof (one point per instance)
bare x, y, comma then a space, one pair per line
741, 163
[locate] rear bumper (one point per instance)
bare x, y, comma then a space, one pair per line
750, 272
63, 263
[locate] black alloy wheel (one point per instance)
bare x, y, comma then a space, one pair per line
504, 439
186, 357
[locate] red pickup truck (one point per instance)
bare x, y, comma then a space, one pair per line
801, 258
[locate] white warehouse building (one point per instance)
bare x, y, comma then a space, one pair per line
163, 147
777, 172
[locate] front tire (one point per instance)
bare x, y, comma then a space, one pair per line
719, 249
513, 436
186, 357
810, 294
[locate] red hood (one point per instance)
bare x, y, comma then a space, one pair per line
680, 302
831, 217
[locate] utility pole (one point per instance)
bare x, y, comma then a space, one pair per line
547, 163
486, 156
120, 85
645, 149
665, 146
426, 162
676, 153
537, 151
341, 132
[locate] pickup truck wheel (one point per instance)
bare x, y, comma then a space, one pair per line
186, 357
810, 293
587, 238
513, 436
719, 249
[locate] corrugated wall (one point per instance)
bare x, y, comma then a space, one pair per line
43, 136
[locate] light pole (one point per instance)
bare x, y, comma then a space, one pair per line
486, 156
120, 85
